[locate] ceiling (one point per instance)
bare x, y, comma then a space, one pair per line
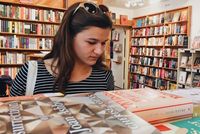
121, 3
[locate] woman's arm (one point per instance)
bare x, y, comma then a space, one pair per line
19, 85
110, 80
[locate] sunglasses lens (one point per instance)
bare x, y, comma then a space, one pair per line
90, 8
103, 8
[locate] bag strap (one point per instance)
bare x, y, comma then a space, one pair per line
31, 77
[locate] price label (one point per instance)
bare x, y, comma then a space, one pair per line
194, 70
187, 69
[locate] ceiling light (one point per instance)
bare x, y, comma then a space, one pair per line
128, 4
134, 3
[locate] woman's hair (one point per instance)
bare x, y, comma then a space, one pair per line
75, 20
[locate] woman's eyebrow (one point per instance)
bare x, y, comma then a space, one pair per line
93, 39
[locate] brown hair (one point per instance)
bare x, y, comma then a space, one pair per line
62, 51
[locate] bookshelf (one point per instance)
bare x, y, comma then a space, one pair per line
188, 68
26, 29
155, 41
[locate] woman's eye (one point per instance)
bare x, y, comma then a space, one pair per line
103, 43
92, 43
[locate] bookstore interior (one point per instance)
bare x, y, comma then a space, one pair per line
154, 55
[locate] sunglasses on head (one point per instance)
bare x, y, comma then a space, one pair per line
91, 8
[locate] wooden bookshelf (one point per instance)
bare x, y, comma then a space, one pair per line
27, 35
43, 4
11, 65
155, 41
22, 30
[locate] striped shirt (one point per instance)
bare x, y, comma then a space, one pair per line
99, 80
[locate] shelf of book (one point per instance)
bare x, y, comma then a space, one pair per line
26, 29
188, 68
23, 49
48, 5
10, 65
32, 21
27, 35
155, 41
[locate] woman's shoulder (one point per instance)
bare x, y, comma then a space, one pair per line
34, 62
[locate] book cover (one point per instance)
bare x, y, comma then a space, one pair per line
172, 86
184, 60
196, 80
183, 16
190, 93
197, 62
185, 41
196, 42
74, 114
152, 105
115, 35
189, 62
182, 77
183, 28
188, 126
124, 19
113, 17
168, 17
176, 16
189, 79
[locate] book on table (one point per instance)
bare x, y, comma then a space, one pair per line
191, 93
75, 114
152, 105
188, 126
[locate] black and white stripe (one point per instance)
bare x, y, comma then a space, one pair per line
99, 80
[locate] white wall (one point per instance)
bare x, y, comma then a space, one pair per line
122, 11
195, 20
159, 7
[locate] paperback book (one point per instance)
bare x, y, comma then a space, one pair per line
152, 105
191, 93
184, 60
75, 114
182, 77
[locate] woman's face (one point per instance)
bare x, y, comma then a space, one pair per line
89, 44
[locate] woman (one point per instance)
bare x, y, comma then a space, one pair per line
74, 64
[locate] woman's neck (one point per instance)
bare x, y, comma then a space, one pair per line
80, 72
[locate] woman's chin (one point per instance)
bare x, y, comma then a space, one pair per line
92, 62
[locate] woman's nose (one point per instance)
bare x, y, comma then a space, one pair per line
99, 49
